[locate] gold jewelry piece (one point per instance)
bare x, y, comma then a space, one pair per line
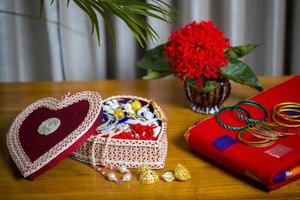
291, 119
267, 132
288, 109
148, 176
284, 107
272, 131
294, 104
262, 134
261, 143
282, 123
182, 173
275, 129
168, 176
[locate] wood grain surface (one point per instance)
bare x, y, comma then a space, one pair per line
71, 179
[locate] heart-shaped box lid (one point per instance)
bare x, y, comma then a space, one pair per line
49, 130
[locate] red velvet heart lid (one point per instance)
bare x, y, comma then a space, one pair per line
49, 130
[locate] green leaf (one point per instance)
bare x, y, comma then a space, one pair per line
208, 87
240, 51
41, 7
88, 9
97, 6
240, 72
133, 12
152, 74
154, 59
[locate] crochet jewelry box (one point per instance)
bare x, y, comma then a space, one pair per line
139, 138
126, 130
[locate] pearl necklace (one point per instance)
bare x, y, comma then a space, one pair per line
111, 176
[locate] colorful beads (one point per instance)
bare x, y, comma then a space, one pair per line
149, 115
136, 105
119, 113
128, 108
129, 119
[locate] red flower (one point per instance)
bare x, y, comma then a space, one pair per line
196, 51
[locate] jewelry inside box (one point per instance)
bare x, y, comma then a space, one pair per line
132, 133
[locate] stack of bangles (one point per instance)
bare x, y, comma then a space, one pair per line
243, 114
287, 114
262, 133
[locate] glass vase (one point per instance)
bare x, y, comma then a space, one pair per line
208, 102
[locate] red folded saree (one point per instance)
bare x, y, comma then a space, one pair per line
266, 165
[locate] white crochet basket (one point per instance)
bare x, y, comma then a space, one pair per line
124, 152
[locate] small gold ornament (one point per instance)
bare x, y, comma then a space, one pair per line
168, 176
136, 105
119, 113
182, 173
148, 176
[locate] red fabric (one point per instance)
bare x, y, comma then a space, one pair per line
246, 160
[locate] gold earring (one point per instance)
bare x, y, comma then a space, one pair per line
148, 176
168, 176
182, 173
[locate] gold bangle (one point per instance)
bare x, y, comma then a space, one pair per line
295, 118
261, 135
290, 119
285, 103
268, 133
288, 108
291, 108
279, 130
262, 143
284, 124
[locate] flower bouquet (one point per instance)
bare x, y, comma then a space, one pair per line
200, 56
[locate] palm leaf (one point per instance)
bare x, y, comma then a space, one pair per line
41, 7
87, 8
132, 12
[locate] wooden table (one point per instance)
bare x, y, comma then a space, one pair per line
71, 179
